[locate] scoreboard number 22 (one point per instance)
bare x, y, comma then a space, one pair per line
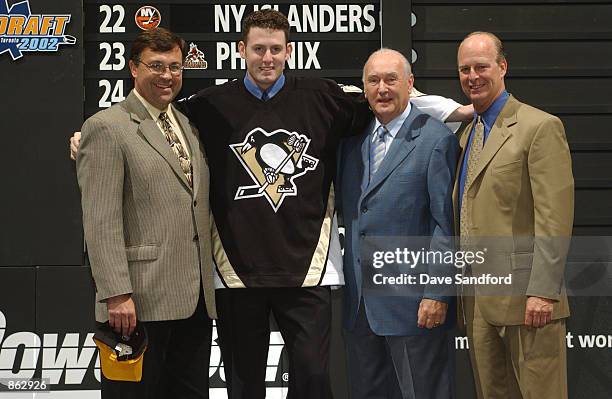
116, 28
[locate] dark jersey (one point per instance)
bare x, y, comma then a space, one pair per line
272, 164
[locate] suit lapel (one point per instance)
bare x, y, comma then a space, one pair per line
401, 146
498, 135
153, 135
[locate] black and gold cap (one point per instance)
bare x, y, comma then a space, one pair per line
121, 359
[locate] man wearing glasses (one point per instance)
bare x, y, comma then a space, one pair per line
144, 183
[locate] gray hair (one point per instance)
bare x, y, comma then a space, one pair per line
385, 50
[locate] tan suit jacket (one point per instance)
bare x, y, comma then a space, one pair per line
147, 231
521, 206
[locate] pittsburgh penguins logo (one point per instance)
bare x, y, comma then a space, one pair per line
274, 161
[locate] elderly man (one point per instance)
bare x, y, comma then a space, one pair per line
515, 192
396, 181
144, 184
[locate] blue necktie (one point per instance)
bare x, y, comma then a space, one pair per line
264, 96
377, 149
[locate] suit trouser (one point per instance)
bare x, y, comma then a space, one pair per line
517, 362
398, 367
176, 362
303, 316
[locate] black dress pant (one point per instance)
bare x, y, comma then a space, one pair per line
176, 363
399, 367
303, 316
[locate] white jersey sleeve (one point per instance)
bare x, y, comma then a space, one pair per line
437, 106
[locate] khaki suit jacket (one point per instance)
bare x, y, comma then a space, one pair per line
520, 206
147, 231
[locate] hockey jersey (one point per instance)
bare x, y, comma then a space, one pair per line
272, 165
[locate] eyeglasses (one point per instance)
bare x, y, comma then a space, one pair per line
158, 68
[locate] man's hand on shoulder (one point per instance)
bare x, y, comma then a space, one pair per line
75, 141
432, 313
122, 314
538, 311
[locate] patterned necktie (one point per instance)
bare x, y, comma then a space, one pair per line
177, 147
377, 149
264, 96
472, 163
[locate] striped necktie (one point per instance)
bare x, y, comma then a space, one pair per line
177, 147
377, 149
470, 175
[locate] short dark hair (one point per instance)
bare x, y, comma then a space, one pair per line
497, 43
265, 19
159, 40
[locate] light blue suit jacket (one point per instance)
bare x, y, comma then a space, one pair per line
410, 195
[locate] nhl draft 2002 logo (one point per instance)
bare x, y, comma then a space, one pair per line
21, 31
274, 161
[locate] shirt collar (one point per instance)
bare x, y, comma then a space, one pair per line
491, 114
153, 111
395, 125
271, 91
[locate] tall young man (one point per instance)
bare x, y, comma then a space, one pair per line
271, 141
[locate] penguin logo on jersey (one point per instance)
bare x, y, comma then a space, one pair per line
274, 161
